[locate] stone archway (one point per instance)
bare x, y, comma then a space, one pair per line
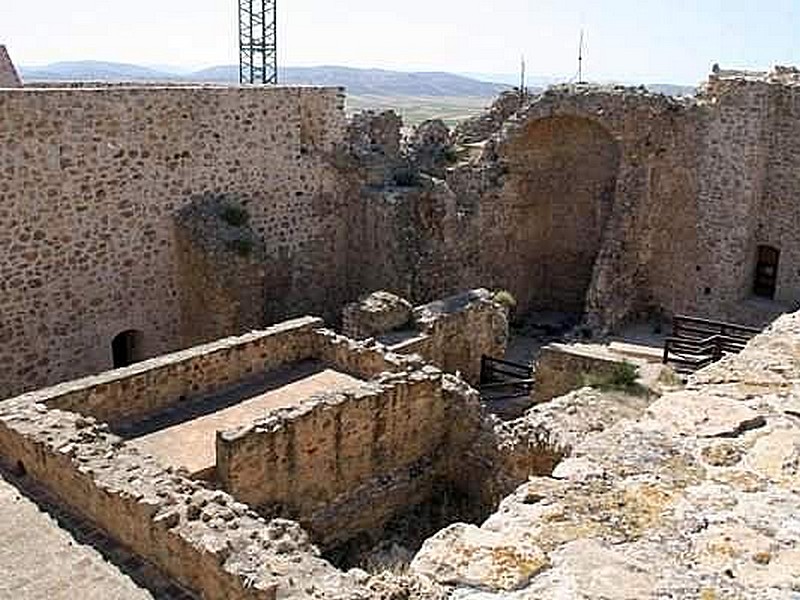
126, 348
562, 174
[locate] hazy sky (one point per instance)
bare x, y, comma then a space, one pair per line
673, 41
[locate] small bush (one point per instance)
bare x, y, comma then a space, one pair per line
622, 377
624, 374
235, 215
505, 298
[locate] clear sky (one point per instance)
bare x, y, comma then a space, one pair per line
673, 41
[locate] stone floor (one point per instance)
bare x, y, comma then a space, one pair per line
48, 554
188, 437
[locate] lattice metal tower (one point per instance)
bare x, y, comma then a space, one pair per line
258, 50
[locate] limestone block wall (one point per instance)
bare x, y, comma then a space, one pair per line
341, 448
453, 333
202, 538
143, 389
460, 330
357, 358
90, 180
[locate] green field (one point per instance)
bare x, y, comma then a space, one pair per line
415, 109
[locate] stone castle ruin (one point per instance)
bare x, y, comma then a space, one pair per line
173, 424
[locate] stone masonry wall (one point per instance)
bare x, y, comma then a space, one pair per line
203, 538
143, 389
572, 206
90, 180
342, 448
453, 333
561, 368
460, 330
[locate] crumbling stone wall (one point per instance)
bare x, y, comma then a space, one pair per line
610, 201
210, 543
223, 270
92, 179
381, 446
8, 74
453, 333
557, 207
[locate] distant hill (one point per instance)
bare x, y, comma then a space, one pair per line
362, 82
92, 70
359, 82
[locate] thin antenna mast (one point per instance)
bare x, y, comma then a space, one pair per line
522, 91
258, 51
580, 59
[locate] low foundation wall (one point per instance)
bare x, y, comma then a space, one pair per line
340, 448
204, 539
356, 358
561, 369
153, 385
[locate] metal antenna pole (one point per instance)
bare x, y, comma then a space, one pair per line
258, 52
580, 59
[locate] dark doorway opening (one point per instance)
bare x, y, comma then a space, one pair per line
766, 276
126, 348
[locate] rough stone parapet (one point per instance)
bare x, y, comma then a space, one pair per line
384, 441
145, 388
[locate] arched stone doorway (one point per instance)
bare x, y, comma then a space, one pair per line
126, 348
765, 281
562, 174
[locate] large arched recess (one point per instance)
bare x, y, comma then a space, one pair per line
561, 180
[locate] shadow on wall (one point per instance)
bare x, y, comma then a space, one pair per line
561, 188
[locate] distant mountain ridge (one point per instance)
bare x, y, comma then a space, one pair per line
362, 82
